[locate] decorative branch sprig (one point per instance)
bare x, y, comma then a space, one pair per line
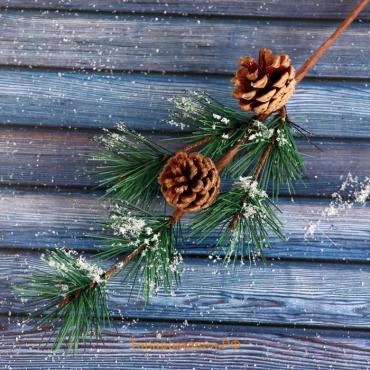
71, 294
129, 165
258, 144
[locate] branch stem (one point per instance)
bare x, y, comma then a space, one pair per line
261, 163
197, 143
105, 275
227, 158
313, 59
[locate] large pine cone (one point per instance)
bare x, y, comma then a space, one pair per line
266, 86
189, 182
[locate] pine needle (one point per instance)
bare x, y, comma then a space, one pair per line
208, 117
129, 165
284, 164
248, 233
83, 317
129, 228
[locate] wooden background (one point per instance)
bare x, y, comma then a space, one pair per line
69, 68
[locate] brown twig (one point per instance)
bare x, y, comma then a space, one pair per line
227, 158
176, 216
312, 60
260, 165
105, 275
197, 143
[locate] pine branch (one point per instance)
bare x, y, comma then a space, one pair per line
129, 165
280, 164
245, 217
68, 276
247, 234
218, 127
149, 237
73, 291
271, 153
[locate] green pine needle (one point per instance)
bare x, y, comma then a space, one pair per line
284, 164
207, 117
129, 165
250, 233
84, 316
129, 228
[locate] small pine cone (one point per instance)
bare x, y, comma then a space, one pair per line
266, 86
189, 182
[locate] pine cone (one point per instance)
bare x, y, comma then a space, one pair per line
266, 86
190, 182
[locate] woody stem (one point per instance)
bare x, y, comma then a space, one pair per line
197, 143
312, 60
261, 163
105, 275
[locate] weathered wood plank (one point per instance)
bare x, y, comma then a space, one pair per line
45, 219
325, 108
47, 157
272, 348
248, 8
171, 44
274, 293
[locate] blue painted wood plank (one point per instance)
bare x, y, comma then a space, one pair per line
172, 44
50, 157
334, 9
272, 348
45, 219
273, 293
91, 100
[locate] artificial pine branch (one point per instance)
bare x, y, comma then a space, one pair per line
243, 215
154, 236
217, 127
73, 291
283, 161
129, 165
80, 318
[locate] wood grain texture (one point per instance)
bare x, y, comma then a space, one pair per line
45, 219
91, 100
272, 293
191, 51
47, 157
248, 8
272, 348
85, 41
